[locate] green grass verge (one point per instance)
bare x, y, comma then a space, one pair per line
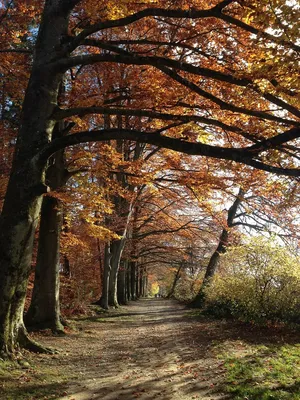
264, 373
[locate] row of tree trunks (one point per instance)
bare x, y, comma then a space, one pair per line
132, 282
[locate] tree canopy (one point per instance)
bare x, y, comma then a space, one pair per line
104, 97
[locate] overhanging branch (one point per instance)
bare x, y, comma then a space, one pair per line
241, 155
193, 13
168, 66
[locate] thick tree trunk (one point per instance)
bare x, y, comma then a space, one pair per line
144, 290
211, 268
146, 286
44, 310
27, 181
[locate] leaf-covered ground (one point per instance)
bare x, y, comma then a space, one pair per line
156, 349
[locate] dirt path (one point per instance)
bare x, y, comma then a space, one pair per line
152, 350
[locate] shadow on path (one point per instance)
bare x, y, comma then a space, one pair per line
152, 349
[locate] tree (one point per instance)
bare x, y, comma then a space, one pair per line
221, 248
199, 79
44, 310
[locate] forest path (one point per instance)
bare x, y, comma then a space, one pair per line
151, 349
157, 349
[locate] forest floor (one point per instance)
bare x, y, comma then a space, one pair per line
157, 349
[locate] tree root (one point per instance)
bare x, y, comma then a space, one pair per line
56, 326
29, 344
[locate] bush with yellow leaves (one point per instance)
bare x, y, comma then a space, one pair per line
257, 281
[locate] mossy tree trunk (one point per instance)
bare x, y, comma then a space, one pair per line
44, 310
26, 186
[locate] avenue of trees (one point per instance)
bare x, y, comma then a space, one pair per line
140, 139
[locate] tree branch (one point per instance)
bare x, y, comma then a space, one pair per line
149, 12
240, 155
277, 140
25, 51
216, 11
197, 70
163, 65
60, 114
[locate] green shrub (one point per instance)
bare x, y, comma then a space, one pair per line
259, 280
187, 287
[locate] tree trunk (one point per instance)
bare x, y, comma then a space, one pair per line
146, 286
128, 281
122, 287
103, 302
141, 278
133, 279
44, 310
137, 281
66, 269
176, 279
116, 253
27, 181
211, 268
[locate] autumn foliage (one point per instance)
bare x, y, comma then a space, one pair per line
145, 121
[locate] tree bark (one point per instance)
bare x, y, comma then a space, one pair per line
128, 281
122, 286
103, 302
176, 279
137, 281
133, 279
44, 310
116, 253
141, 279
211, 268
27, 181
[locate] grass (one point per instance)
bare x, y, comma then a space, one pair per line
255, 367
19, 383
264, 373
